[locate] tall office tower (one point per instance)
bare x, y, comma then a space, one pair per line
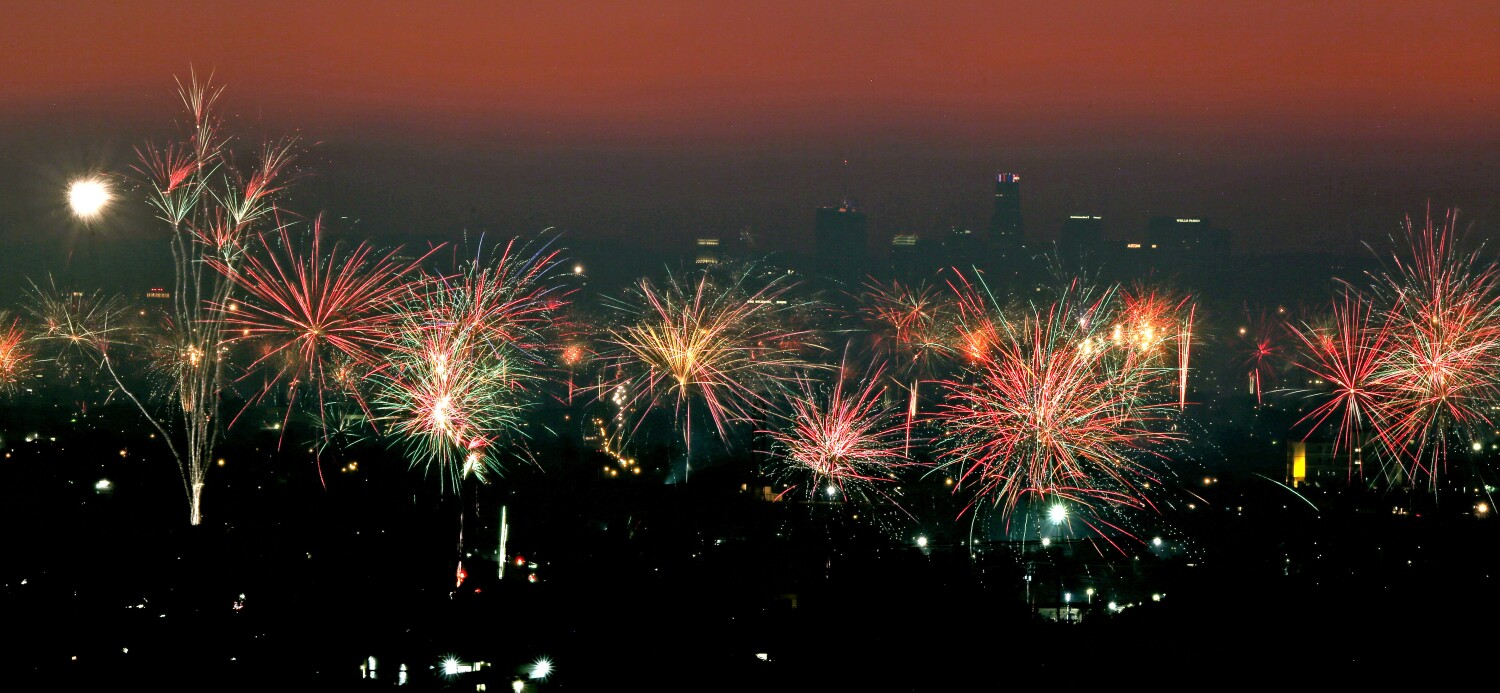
1007, 231
708, 252
904, 259
1188, 243
962, 250
842, 252
1082, 240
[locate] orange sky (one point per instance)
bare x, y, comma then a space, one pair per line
720, 115
623, 69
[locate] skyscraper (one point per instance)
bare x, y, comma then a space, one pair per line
708, 252
841, 238
904, 256
962, 249
1189, 244
1007, 232
1082, 240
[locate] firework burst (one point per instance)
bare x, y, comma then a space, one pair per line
318, 316
1411, 365
910, 326
1056, 413
1346, 352
1154, 320
1263, 350
212, 206
845, 443
463, 361
15, 356
78, 328
707, 342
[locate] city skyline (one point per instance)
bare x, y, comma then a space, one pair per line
1297, 128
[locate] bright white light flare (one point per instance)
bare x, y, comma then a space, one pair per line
88, 197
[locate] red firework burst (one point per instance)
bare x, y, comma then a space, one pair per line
316, 314
1055, 412
841, 443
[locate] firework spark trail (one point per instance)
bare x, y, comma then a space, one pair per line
1184, 351
707, 342
842, 440
211, 207
1054, 410
463, 358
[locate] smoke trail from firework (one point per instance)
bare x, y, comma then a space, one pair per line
463, 359
706, 342
1054, 410
842, 442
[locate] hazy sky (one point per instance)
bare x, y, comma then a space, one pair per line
1297, 125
